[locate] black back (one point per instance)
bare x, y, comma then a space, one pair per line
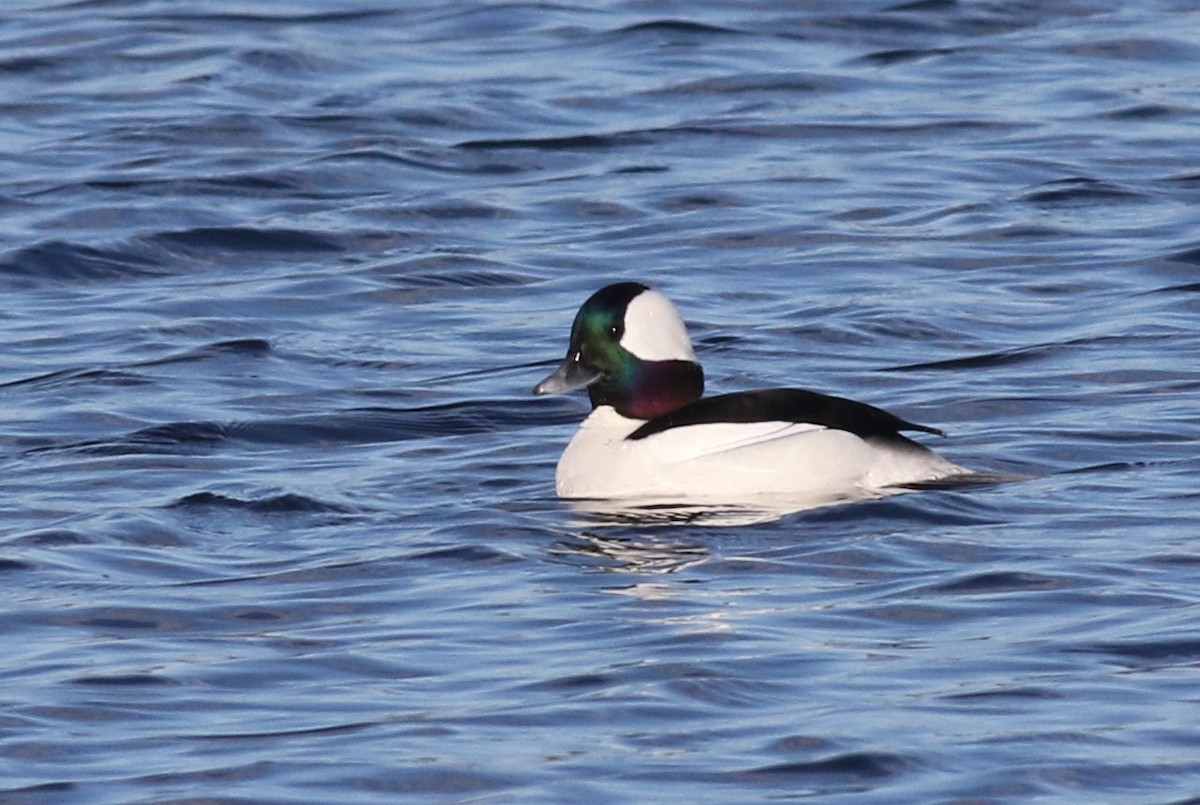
787, 405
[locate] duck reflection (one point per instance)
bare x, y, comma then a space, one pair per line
632, 554
636, 537
659, 512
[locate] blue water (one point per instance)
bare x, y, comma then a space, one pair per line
277, 520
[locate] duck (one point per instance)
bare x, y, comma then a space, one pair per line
652, 434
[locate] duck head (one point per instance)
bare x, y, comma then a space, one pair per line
629, 348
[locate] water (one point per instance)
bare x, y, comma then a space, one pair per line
278, 521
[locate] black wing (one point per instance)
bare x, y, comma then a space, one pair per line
786, 405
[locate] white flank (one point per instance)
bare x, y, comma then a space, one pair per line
691, 442
735, 462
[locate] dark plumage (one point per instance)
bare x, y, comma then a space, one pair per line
787, 405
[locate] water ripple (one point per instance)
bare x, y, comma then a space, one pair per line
279, 518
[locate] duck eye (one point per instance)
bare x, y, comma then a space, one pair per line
615, 331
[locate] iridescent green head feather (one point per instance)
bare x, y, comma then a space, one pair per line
630, 349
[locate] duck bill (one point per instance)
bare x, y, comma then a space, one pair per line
570, 375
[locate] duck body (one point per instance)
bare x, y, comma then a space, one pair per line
692, 455
651, 434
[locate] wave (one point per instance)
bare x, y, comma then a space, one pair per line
352, 426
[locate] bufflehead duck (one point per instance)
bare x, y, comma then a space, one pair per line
652, 435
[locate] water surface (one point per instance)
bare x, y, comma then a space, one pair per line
278, 521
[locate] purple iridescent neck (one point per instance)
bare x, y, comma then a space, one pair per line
650, 388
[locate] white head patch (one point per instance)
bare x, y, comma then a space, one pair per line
654, 331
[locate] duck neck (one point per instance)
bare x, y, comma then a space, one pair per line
651, 389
